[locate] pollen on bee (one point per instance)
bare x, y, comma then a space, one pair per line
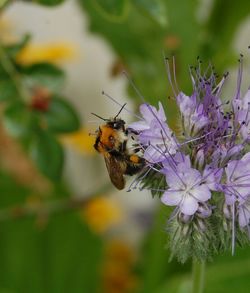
134, 159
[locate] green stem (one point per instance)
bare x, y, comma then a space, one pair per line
198, 276
50, 207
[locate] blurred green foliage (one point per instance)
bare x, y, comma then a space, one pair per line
34, 110
63, 255
50, 254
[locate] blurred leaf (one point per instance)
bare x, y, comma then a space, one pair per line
220, 31
179, 283
227, 274
59, 256
3, 3
18, 120
48, 2
9, 186
139, 49
156, 9
60, 116
112, 10
12, 50
139, 43
8, 90
44, 75
47, 154
155, 266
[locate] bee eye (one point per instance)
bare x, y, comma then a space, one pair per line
115, 125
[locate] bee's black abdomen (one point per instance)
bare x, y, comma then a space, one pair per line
134, 168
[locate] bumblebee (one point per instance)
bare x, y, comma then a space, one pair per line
111, 141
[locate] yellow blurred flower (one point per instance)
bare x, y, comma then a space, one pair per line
119, 251
54, 53
117, 269
80, 141
101, 214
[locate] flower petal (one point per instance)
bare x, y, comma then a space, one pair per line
154, 154
148, 112
189, 206
201, 193
139, 125
244, 214
172, 197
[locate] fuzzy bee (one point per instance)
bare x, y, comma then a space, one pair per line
112, 142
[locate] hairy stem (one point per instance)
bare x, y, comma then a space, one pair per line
198, 276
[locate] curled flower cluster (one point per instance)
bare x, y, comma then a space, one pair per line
204, 172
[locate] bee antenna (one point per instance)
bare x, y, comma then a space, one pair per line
99, 117
120, 111
134, 86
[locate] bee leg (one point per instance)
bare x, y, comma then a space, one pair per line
123, 146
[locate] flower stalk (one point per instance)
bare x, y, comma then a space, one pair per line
198, 276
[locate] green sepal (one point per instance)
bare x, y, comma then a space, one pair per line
154, 181
193, 240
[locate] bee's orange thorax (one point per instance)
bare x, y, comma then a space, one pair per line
109, 139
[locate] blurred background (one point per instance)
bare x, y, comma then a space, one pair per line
63, 226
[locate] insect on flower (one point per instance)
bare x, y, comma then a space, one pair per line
112, 142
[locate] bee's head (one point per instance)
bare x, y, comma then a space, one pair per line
116, 123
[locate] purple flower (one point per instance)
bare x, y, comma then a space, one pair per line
193, 116
205, 169
186, 188
242, 117
149, 115
212, 177
244, 214
237, 186
155, 137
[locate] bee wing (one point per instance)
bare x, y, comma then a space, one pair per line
116, 169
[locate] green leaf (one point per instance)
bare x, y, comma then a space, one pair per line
61, 256
112, 10
156, 9
12, 50
18, 120
43, 75
61, 117
8, 90
139, 42
49, 2
47, 154
226, 274
155, 266
220, 31
3, 3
